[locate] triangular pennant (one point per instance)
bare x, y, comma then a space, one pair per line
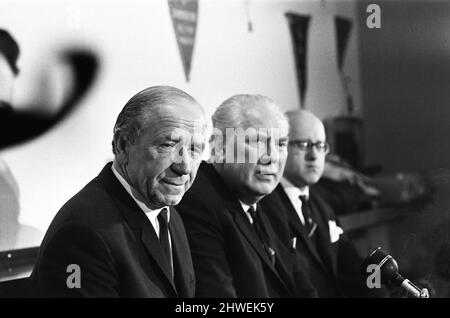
343, 28
184, 14
299, 32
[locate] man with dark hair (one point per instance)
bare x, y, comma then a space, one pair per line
234, 249
120, 234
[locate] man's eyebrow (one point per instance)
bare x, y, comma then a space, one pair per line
167, 136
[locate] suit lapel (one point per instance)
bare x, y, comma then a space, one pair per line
324, 241
239, 217
138, 222
280, 264
242, 223
153, 247
182, 263
246, 229
299, 228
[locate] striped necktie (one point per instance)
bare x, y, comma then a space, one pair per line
310, 223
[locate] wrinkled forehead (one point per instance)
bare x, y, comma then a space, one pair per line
182, 118
179, 111
265, 121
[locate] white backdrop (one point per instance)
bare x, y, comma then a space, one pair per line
136, 44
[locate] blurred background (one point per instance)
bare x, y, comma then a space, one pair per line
379, 85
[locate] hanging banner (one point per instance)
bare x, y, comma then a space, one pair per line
299, 32
184, 14
343, 28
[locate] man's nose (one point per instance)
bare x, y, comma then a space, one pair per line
182, 164
271, 154
312, 153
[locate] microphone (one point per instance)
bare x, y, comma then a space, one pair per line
387, 268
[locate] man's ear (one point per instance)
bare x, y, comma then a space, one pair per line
120, 144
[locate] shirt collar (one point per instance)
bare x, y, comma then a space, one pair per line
146, 209
292, 190
245, 207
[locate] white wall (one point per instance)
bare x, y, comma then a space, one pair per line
135, 40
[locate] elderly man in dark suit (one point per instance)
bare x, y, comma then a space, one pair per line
234, 249
120, 236
305, 221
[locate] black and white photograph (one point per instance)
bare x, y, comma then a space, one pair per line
225, 154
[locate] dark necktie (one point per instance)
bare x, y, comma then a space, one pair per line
310, 223
260, 230
164, 237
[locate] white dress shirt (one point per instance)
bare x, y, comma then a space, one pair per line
152, 215
294, 194
245, 207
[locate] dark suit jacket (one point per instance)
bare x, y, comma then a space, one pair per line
103, 231
229, 259
334, 268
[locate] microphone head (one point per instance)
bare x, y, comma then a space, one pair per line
385, 264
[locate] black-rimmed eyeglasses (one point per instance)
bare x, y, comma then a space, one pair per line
304, 145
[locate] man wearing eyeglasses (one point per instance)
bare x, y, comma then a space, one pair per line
305, 222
